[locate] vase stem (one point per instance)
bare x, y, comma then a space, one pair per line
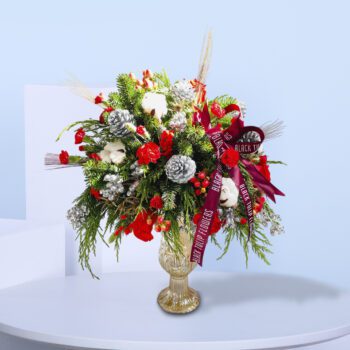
178, 298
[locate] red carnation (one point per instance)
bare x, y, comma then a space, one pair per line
95, 156
143, 224
166, 142
95, 193
156, 202
79, 136
263, 168
217, 110
140, 130
148, 153
230, 157
64, 157
216, 222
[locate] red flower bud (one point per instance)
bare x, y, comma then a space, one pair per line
99, 98
243, 221
64, 157
123, 217
140, 130
79, 136
81, 148
118, 231
95, 156
197, 184
198, 192
95, 193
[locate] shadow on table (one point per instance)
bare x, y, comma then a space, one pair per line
232, 289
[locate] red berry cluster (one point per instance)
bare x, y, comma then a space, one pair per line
200, 183
162, 225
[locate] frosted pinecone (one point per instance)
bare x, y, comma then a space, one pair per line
230, 218
183, 91
180, 169
117, 120
250, 136
136, 169
178, 121
132, 188
113, 188
77, 216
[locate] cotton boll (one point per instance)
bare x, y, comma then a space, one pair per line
105, 156
229, 193
153, 103
113, 152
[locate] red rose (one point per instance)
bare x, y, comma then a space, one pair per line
140, 130
95, 193
156, 202
95, 156
142, 226
230, 157
79, 136
148, 153
166, 142
217, 110
216, 222
263, 168
64, 157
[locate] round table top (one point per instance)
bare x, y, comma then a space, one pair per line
120, 312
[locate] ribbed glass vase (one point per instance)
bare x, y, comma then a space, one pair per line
178, 298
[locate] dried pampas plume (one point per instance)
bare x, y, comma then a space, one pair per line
273, 129
79, 88
205, 58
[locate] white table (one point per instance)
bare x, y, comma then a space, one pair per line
120, 312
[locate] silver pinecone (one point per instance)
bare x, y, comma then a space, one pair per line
114, 186
178, 121
117, 120
183, 91
77, 216
180, 168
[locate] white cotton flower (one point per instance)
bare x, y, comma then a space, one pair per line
153, 103
113, 152
229, 193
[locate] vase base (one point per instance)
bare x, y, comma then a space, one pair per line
178, 304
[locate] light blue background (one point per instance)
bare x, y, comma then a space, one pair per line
285, 59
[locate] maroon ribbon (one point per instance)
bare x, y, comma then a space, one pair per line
223, 140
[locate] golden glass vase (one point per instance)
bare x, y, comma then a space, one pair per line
178, 298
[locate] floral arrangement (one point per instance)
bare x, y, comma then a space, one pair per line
160, 155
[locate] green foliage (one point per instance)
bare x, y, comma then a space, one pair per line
180, 203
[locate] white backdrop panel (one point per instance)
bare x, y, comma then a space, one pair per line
48, 109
